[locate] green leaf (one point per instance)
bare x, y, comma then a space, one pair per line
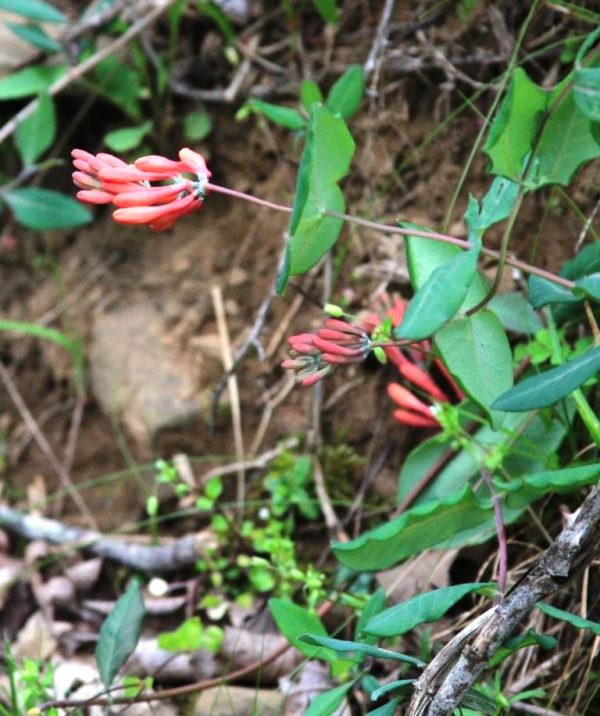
35, 36
551, 386
284, 272
328, 10
36, 133
520, 641
588, 287
476, 351
120, 632
424, 256
442, 524
498, 203
284, 116
375, 605
568, 140
400, 685
586, 262
310, 94
427, 607
347, 92
34, 10
294, 621
516, 125
524, 444
74, 346
197, 125
328, 702
515, 313
522, 492
30, 81
543, 292
586, 81
187, 636
572, 619
120, 84
439, 298
355, 647
388, 709
325, 161
216, 14
127, 138
42, 209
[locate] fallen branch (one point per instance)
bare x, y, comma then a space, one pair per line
444, 683
146, 558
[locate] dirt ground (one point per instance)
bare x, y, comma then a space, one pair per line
411, 153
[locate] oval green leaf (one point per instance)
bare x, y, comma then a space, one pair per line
355, 647
550, 387
347, 92
34, 10
329, 702
35, 36
120, 632
439, 298
30, 81
284, 116
476, 351
294, 621
427, 607
42, 209
36, 133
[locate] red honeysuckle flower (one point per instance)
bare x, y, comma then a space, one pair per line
412, 411
105, 179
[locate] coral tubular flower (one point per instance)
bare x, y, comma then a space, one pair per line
105, 179
412, 411
314, 355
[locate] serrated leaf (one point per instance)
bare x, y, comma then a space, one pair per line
551, 386
522, 492
310, 94
34, 10
329, 702
284, 116
43, 209
515, 313
35, 36
120, 632
294, 621
423, 608
354, 647
325, 161
516, 125
588, 287
127, 138
439, 298
37, 132
442, 524
543, 292
520, 641
347, 92
30, 81
476, 351
572, 619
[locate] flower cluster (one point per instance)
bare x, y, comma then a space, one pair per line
154, 190
315, 355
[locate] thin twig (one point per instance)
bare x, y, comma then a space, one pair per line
374, 60
331, 519
500, 532
234, 395
44, 445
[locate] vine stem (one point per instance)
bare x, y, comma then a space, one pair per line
390, 229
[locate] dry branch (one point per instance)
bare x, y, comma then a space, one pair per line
146, 558
454, 670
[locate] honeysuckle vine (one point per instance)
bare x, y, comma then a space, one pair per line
104, 178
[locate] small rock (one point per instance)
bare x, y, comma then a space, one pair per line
139, 377
239, 701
